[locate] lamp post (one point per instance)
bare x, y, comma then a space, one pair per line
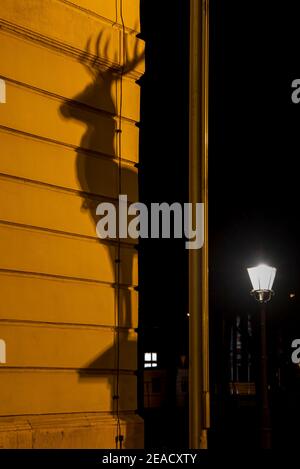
262, 278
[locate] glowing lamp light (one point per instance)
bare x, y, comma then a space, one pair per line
262, 279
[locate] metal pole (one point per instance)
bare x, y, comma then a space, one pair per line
198, 259
265, 409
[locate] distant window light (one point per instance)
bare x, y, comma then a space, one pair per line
150, 360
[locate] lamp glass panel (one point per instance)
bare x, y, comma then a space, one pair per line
262, 277
253, 278
272, 277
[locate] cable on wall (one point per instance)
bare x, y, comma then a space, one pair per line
122, 45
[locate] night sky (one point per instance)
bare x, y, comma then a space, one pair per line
254, 138
254, 147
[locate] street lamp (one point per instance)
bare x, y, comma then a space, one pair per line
262, 279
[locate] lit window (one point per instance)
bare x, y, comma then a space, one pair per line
150, 360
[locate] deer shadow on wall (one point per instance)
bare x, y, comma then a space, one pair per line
101, 129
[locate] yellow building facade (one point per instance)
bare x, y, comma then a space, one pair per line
69, 305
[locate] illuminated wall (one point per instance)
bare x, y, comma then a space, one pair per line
62, 154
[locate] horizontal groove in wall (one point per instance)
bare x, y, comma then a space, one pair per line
114, 23
64, 325
52, 187
66, 234
47, 217
33, 418
82, 150
60, 47
93, 413
68, 101
66, 77
64, 301
83, 371
87, 130
68, 124
41, 275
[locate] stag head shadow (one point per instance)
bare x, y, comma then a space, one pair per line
101, 128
